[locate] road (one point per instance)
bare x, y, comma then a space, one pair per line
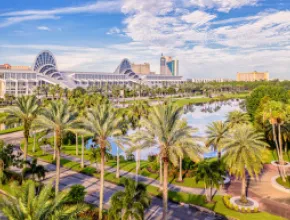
92, 185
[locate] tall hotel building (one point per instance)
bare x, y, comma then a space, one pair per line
168, 66
254, 76
22, 80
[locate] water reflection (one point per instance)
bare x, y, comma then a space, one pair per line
198, 116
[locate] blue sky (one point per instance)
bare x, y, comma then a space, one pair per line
211, 38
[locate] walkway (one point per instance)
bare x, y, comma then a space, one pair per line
69, 178
271, 200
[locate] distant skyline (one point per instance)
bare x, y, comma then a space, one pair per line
211, 38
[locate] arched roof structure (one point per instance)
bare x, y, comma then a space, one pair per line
45, 64
126, 69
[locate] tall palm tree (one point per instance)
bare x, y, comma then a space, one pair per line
25, 111
243, 149
211, 173
237, 117
216, 131
58, 118
130, 203
24, 203
103, 123
34, 169
165, 129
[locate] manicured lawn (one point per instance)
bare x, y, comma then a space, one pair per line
10, 130
285, 184
189, 101
222, 209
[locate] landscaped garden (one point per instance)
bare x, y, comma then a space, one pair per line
243, 143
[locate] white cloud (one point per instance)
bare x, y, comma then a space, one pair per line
14, 20
198, 18
99, 6
114, 30
43, 28
222, 5
14, 17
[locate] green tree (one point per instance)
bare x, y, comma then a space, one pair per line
216, 131
103, 123
237, 118
165, 128
33, 169
25, 204
276, 93
243, 147
131, 203
58, 118
25, 111
211, 173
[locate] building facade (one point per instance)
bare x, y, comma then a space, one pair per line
169, 66
142, 68
254, 76
23, 81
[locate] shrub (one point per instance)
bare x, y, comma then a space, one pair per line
152, 157
89, 171
236, 207
76, 194
256, 209
249, 210
243, 209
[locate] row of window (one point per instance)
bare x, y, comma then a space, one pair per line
17, 75
100, 77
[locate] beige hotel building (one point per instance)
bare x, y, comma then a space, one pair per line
253, 76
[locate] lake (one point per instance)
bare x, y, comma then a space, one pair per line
198, 116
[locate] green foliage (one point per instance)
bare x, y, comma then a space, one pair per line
11, 130
276, 93
32, 168
89, 171
130, 203
76, 194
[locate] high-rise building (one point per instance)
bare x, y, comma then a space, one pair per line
142, 68
254, 76
169, 66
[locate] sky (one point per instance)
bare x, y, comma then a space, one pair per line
212, 39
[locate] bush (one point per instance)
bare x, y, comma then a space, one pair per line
89, 171
152, 157
76, 194
130, 157
44, 141
236, 208
243, 209
249, 210
256, 209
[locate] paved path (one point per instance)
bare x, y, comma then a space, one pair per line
69, 178
270, 199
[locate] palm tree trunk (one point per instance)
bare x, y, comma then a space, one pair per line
180, 169
160, 172
275, 139
34, 142
118, 164
54, 143
137, 165
83, 152
281, 159
243, 189
102, 180
165, 190
58, 146
77, 147
26, 136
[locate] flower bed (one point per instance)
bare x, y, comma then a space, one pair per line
229, 204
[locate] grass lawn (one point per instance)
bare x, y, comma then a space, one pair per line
189, 101
10, 130
285, 184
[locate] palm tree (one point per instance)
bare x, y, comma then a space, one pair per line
165, 128
25, 111
58, 118
34, 169
243, 147
131, 203
102, 121
211, 173
215, 133
24, 203
237, 117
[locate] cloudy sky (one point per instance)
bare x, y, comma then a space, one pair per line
211, 38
